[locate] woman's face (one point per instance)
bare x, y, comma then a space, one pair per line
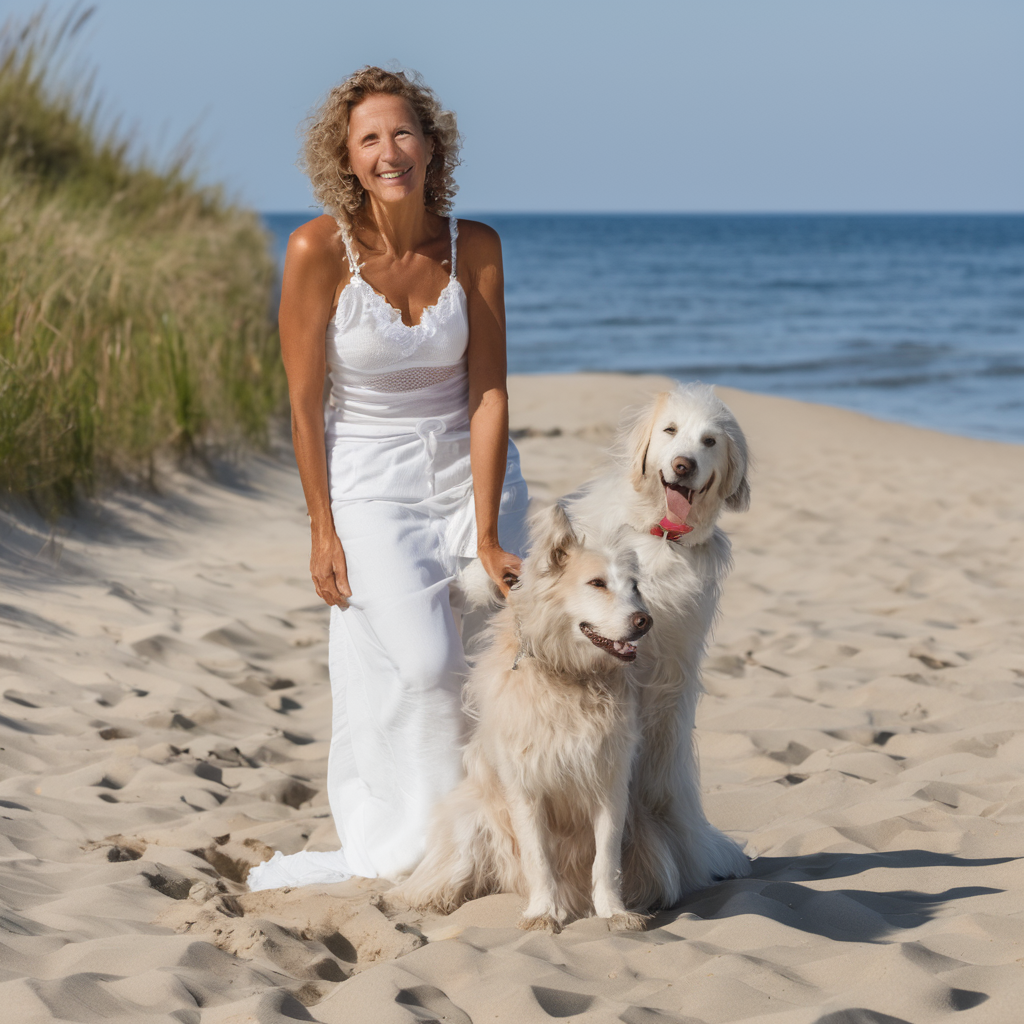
387, 149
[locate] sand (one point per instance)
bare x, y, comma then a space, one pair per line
165, 718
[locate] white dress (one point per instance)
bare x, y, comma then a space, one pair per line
397, 431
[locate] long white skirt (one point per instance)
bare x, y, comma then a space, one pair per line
403, 509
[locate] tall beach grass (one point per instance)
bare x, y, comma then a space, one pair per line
134, 302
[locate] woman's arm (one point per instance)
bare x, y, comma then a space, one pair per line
480, 255
307, 294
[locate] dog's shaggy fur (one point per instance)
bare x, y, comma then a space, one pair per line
542, 807
689, 441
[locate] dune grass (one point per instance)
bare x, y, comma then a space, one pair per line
134, 302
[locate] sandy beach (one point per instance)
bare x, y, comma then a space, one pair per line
165, 719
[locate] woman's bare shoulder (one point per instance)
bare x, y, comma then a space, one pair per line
479, 244
315, 240
476, 231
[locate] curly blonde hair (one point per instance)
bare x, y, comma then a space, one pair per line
325, 149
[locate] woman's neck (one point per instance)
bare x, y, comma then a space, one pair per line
403, 226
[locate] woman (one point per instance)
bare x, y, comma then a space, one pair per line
409, 472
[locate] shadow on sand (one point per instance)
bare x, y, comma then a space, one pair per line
845, 915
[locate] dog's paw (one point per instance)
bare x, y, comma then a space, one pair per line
423, 903
628, 921
392, 901
400, 901
541, 923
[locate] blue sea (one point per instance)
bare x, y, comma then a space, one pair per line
912, 318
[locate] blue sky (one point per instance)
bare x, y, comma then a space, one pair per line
720, 105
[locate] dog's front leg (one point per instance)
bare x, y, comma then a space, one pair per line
542, 910
606, 876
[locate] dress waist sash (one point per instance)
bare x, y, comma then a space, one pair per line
360, 413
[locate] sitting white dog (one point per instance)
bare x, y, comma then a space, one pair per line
684, 460
542, 808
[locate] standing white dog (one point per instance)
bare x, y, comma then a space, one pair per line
685, 458
542, 808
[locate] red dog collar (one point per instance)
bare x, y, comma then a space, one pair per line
666, 528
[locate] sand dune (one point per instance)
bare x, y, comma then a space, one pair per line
165, 717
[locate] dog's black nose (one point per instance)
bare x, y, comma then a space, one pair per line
683, 466
641, 622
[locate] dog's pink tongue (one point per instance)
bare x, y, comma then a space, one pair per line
678, 506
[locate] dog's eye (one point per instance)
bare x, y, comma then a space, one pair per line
708, 442
670, 430
597, 583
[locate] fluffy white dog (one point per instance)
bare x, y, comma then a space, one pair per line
542, 808
684, 460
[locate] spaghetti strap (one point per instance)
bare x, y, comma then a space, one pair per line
350, 252
453, 230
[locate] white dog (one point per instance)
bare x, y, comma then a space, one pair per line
542, 808
685, 458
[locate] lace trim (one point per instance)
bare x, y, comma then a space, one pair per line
412, 379
388, 321
406, 338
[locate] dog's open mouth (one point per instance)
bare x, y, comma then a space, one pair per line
680, 499
621, 649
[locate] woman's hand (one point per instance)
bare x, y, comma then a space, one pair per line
502, 567
329, 570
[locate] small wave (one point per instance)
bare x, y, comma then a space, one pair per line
623, 321
1001, 371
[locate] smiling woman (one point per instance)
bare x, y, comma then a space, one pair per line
409, 472
326, 155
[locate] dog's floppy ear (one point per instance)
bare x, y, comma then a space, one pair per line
637, 440
554, 538
739, 500
736, 486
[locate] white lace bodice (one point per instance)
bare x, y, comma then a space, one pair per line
369, 346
